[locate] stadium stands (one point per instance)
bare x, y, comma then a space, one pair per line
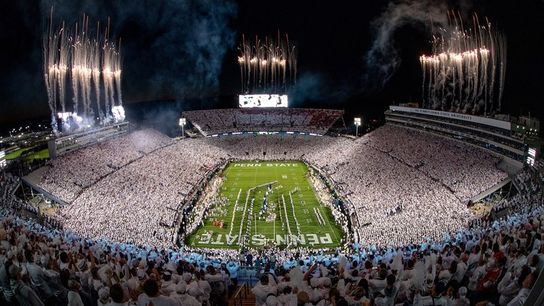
491, 263
66, 177
218, 121
428, 187
491, 134
422, 247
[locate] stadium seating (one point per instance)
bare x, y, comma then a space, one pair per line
68, 176
114, 242
218, 121
375, 175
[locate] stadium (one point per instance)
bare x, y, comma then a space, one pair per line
264, 203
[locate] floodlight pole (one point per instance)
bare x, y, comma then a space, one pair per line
182, 122
357, 121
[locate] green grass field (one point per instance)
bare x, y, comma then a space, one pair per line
290, 200
42, 154
17, 153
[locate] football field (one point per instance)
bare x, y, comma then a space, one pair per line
266, 204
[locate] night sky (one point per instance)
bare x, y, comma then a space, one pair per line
185, 51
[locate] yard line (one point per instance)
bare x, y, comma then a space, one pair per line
244, 215
294, 213
286, 216
255, 224
274, 231
234, 212
318, 216
332, 230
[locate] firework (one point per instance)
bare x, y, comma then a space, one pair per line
95, 64
268, 66
465, 72
50, 70
89, 64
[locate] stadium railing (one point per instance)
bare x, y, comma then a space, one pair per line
536, 297
241, 294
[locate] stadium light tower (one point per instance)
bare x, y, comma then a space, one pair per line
357, 121
182, 122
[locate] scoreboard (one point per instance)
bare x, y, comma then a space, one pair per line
248, 101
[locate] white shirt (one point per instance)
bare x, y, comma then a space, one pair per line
74, 299
160, 300
261, 292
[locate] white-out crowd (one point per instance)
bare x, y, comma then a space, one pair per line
430, 179
69, 176
427, 180
496, 263
116, 246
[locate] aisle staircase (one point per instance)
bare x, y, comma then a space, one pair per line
242, 296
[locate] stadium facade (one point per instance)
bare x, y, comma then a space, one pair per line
490, 134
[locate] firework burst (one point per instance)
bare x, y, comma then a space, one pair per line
466, 70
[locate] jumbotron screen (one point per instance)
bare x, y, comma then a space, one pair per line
263, 101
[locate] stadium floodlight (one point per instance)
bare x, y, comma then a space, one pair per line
182, 122
357, 121
118, 113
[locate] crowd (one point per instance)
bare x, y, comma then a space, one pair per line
432, 189
68, 176
461, 168
141, 201
218, 121
363, 176
496, 264
138, 203
116, 245
199, 211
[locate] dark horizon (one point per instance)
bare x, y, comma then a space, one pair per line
168, 53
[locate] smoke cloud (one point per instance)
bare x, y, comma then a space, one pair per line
162, 117
382, 59
316, 89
